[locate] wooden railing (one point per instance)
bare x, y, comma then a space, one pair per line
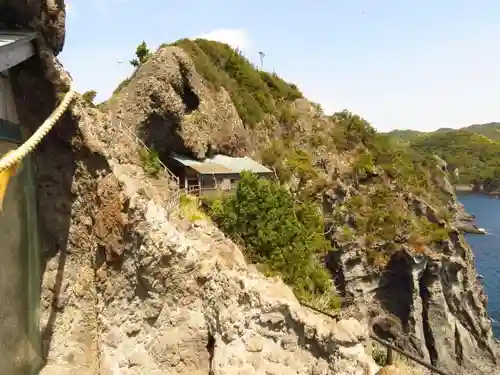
200, 191
134, 138
389, 346
173, 202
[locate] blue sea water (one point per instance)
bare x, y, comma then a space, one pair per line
487, 248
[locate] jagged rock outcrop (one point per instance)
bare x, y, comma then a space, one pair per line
167, 103
171, 299
128, 291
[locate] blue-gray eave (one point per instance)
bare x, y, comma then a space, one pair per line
15, 47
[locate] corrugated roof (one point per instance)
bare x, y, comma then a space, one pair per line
15, 47
222, 164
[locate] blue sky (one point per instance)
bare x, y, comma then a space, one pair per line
400, 64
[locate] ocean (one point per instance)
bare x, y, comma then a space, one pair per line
486, 248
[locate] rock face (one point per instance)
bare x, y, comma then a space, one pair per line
167, 103
142, 295
126, 290
430, 305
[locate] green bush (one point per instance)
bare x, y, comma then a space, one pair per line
150, 161
142, 53
280, 89
89, 97
288, 239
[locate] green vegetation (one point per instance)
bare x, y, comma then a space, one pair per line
476, 156
254, 93
150, 161
142, 53
406, 136
340, 183
189, 208
490, 130
473, 149
89, 97
289, 239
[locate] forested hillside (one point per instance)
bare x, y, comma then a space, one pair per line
474, 150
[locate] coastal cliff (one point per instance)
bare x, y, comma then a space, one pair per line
130, 289
391, 215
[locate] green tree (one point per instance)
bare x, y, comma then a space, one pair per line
288, 239
142, 53
89, 96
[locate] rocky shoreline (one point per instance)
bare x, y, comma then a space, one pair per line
476, 190
465, 222
469, 227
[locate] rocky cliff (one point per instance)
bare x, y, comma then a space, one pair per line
390, 213
129, 290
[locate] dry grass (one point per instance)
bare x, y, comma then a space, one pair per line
401, 366
407, 367
189, 209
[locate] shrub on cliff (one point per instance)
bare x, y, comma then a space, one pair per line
278, 233
89, 96
142, 53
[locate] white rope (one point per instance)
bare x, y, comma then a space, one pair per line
14, 157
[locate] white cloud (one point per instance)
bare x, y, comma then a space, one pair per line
236, 38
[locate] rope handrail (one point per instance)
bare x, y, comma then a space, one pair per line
13, 157
385, 343
10, 161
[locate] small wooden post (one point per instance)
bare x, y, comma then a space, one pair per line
390, 356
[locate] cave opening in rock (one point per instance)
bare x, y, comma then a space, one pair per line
161, 134
396, 291
333, 264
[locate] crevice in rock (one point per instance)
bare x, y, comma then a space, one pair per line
333, 264
189, 98
458, 348
151, 321
428, 336
211, 353
353, 262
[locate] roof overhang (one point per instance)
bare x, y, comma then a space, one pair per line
221, 165
15, 47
